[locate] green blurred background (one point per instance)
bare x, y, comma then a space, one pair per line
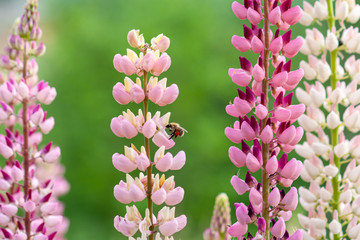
81, 38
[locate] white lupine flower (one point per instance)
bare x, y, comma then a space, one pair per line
317, 97
304, 150
323, 70
354, 97
325, 195
307, 195
321, 10
312, 170
307, 123
331, 41
331, 170
315, 41
354, 14
354, 231
351, 39
341, 149
333, 120
335, 226
320, 148
309, 70
354, 174
346, 196
341, 10
308, 14
303, 96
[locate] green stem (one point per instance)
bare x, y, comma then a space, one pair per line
149, 169
334, 132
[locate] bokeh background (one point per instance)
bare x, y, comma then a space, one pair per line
81, 38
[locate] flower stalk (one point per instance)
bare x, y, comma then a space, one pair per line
32, 177
331, 110
270, 131
154, 187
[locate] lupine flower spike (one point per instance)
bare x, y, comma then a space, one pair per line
332, 115
220, 220
154, 187
31, 179
269, 130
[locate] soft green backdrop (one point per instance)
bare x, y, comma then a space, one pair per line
82, 37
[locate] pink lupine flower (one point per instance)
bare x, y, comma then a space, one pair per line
157, 189
31, 209
270, 130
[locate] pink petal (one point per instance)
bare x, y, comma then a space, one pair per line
123, 128
279, 79
142, 162
261, 111
136, 193
149, 128
242, 106
175, 196
237, 156
137, 93
120, 95
275, 15
239, 185
169, 228
239, 76
247, 131
271, 165
242, 214
165, 163
288, 170
256, 44
159, 196
178, 161
148, 61
240, 43
298, 235
234, 135
274, 197
252, 163
127, 66
258, 73
292, 15
255, 197
293, 47
161, 65
253, 16
296, 111
232, 111
156, 93
282, 114
122, 194
276, 45
237, 230
239, 10
170, 95
122, 163
290, 200
278, 230
267, 135
295, 76
162, 139
298, 136
116, 62
287, 135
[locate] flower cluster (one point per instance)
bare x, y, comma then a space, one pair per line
220, 219
32, 179
332, 112
156, 188
270, 129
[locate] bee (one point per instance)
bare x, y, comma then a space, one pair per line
175, 130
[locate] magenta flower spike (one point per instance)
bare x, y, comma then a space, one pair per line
32, 178
265, 130
156, 188
331, 121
